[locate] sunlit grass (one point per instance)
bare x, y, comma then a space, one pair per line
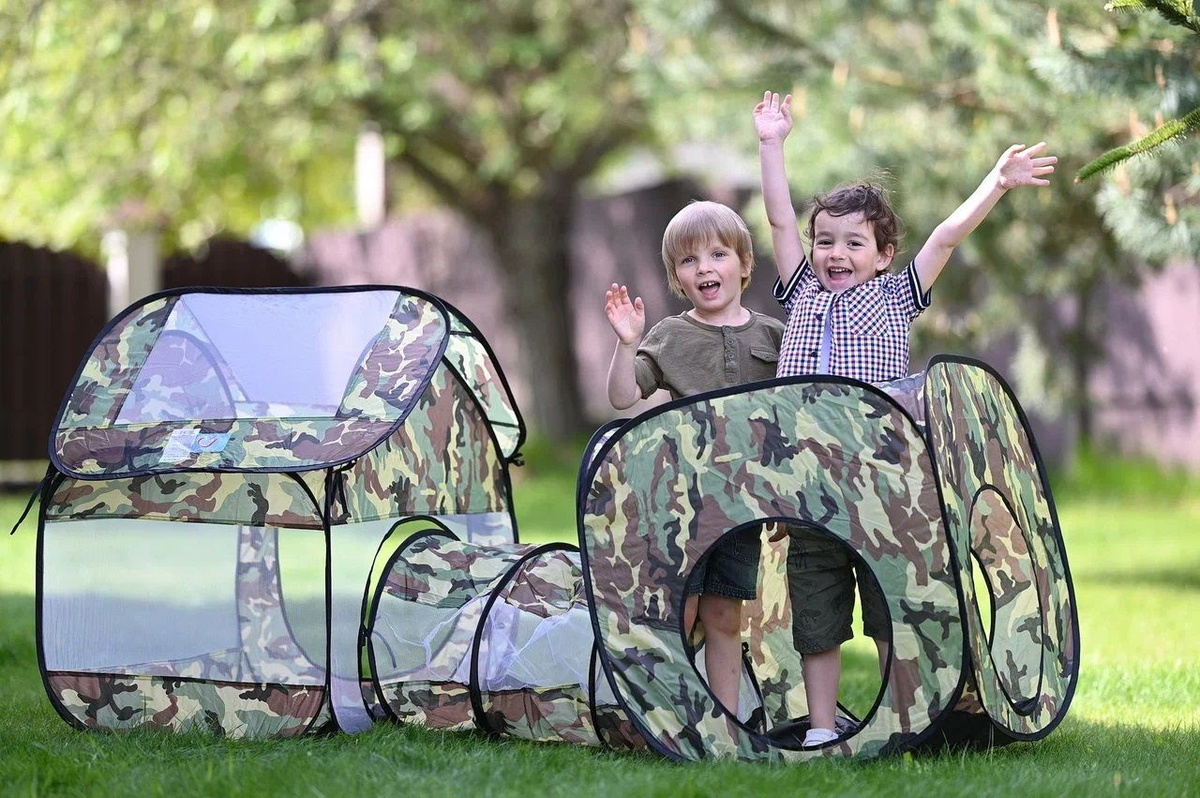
1134, 723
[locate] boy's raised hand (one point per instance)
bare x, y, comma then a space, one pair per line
627, 317
1018, 166
773, 117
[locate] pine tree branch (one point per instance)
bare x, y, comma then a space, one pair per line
1176, 128
1177, 12
1127, 5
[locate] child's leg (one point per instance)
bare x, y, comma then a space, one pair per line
722, 619
821, 588
822, 677
730, 578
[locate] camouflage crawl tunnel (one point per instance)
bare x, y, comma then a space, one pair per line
496, 638
224, 470
944, 503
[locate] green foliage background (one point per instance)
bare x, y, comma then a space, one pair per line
212, 115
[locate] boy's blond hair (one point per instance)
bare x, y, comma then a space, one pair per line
699, 222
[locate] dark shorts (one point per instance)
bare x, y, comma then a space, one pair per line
821, 577
731, 568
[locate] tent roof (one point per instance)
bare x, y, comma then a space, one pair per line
266, 380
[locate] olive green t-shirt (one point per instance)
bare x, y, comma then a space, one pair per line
686, 357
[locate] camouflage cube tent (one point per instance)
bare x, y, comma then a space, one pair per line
279, 512
225, 467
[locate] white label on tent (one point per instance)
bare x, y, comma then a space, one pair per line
179, 446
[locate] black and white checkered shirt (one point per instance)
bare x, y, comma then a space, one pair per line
870, 324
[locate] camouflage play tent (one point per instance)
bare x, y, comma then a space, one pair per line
276, 512
937, 503
226, 468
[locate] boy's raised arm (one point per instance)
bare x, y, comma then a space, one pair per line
773, 121
1018, 166
628, 320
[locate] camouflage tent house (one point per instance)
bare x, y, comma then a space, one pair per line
226, 468
274, 512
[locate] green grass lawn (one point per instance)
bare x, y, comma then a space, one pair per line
1134, 725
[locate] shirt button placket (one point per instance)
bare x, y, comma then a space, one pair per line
731, 371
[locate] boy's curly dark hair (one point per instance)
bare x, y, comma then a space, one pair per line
870, 199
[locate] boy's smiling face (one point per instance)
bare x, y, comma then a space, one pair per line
711, 274
844, 251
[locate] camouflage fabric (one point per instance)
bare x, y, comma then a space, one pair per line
909, 393
405, 533
116, 702
613, 727
599, 438
548, 585
371, 700
441, 461
435, 705
264, 444
268, 653
274, 500
271, 652
227, 665
616, 731
471, 359
840, 456
183, 321
1001, 519
90, 443
439, 571
556, 714
422, 661
179, 381
391, 374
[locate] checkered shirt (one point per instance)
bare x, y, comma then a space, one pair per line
870, 324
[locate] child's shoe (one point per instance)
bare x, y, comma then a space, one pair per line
819, 737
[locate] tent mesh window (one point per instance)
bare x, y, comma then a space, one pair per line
162, 624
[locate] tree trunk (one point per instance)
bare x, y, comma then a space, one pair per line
531, 242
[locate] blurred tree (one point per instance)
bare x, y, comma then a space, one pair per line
927, 95
215, 114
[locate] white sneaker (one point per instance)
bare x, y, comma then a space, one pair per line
819, 737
